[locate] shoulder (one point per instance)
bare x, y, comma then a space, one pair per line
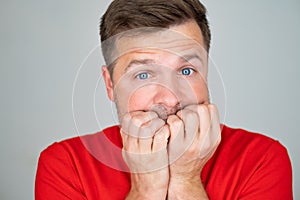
252, 149
64, 166
81, 146
248, 141
78, 142
249, 165
263, 162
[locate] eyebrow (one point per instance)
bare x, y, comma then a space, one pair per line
139, 62
185, 58
188, 57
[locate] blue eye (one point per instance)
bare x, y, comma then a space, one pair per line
143, 76
187, 71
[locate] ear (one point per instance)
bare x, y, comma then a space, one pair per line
108, 83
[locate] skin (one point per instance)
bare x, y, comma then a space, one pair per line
168, 127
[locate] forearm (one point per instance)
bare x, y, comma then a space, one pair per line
187, 190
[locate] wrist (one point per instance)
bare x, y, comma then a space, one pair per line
147, 194
186, 189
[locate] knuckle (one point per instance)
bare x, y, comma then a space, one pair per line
202, 110
125, 120
163, 132
191, 107
213, 109
177, 122
159, 122
137, 121
145, 133
151, 115
190, 115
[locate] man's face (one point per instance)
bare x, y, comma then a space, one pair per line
163, 71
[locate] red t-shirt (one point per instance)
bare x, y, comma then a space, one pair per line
246, 166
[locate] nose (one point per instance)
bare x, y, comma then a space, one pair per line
166, 96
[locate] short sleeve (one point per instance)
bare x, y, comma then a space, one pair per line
56, 176
273, 177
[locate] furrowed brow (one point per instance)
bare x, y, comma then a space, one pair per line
138, 62
188, 57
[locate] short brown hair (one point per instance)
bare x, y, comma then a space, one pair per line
124, 15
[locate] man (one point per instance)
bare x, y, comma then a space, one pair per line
170, 144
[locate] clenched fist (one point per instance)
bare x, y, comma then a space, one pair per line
145, 139
166, 158
194, 136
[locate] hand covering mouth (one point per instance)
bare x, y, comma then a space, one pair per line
163, 112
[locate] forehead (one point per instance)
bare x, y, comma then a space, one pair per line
179, 40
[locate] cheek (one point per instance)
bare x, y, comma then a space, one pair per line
200, 91
141, 99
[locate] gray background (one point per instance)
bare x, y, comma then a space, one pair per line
255, 44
